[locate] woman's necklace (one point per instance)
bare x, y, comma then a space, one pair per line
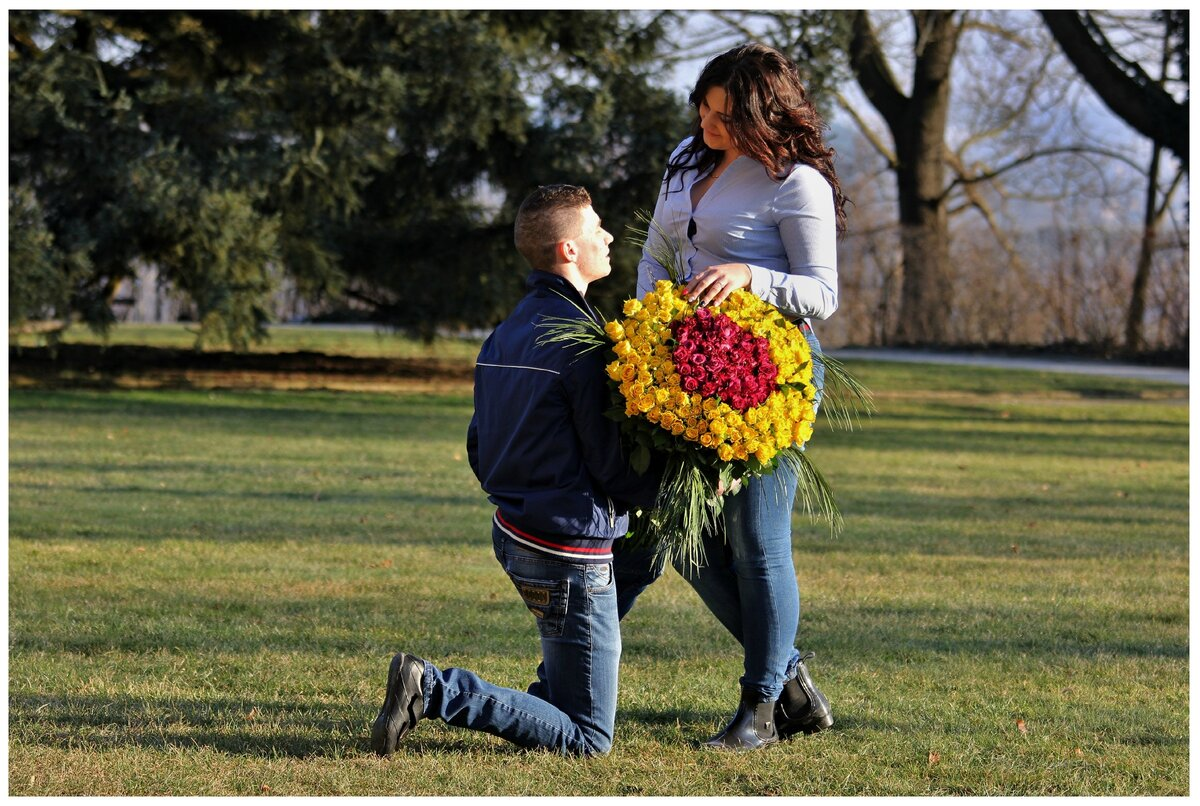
721, 169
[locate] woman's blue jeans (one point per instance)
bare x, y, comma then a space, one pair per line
572, 706
748, 580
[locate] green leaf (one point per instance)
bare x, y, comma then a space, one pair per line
640, 460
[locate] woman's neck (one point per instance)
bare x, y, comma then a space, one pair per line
727, 158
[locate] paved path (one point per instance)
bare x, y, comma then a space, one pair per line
1086, 366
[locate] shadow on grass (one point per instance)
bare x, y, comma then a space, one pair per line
269, 729
1068, 439
255, 413
381, 500
244, 727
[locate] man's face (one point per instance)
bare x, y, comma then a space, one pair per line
592, 244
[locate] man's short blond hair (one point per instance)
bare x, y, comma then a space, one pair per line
548, 216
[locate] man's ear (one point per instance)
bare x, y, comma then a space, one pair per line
567, 251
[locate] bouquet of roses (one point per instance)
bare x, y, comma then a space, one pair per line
725, 392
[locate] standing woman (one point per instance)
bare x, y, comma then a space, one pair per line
753, 200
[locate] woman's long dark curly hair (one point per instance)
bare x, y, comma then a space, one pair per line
770, 118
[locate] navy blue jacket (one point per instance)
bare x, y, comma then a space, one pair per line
540, 443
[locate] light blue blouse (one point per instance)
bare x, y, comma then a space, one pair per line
785, 231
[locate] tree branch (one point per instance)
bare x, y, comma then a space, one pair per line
867, 132
872, 72
1031, 89
1131, 95
963, 180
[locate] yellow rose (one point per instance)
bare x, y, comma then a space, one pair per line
632, 306
614, 370
724, 452
614, 330
628, 372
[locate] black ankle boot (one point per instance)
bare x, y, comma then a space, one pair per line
752, 727
802, 708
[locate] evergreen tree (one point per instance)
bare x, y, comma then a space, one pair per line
374, 154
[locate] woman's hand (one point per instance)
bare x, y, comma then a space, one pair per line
714, 285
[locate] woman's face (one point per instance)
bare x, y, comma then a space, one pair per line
714, 114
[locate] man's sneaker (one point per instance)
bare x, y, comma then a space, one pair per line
802, 708
403, 706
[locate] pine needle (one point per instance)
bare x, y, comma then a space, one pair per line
662, 248
816, 496
585, 334
844, 399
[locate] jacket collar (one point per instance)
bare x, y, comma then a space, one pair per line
543, 279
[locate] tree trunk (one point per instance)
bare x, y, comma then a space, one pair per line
1141, 278
918, 126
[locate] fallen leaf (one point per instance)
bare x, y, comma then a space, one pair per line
1021, 727
934, 758
253, 713
1015, 548
1079, 752
264, 788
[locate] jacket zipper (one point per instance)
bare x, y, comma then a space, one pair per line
612, 513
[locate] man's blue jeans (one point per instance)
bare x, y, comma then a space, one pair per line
572, 707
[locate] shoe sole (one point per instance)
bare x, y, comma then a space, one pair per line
808, 726
402, 706
721, 747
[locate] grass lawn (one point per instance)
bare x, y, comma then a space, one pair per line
205, 588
